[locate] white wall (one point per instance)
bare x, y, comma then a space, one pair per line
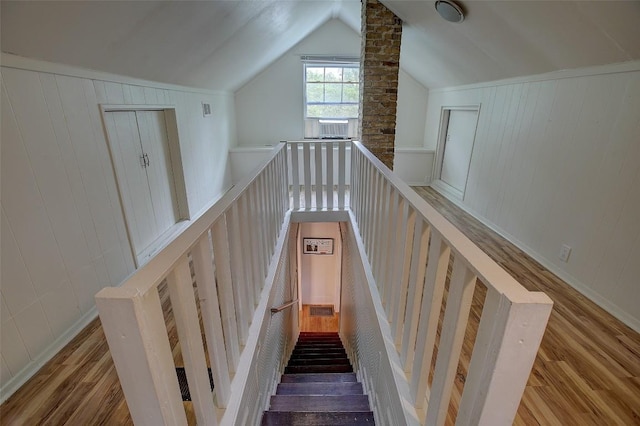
556, 161
320, 274
270, 107
412, 108
63, 230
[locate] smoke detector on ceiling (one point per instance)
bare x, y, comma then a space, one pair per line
449, 11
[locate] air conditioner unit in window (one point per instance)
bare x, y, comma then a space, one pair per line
334, 129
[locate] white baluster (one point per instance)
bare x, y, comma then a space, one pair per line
306, 164
437, 263
317, 146
414, 295
341, 174
456, 316
246, 239
394, 212
210, 310
329, 161
401, 290
222, 260
295, 175
239, 275
185, 314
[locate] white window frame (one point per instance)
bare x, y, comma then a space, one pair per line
327, 63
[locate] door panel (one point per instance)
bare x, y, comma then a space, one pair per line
458, 147
132, 178
153, 135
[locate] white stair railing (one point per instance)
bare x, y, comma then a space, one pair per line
319, 175
407, 247
232, 247
238, 248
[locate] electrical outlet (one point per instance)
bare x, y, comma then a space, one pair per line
565, 251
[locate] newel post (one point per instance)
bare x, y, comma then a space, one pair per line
506, 346
134, 326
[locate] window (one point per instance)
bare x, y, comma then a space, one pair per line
332, 91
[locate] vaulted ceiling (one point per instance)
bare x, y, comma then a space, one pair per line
223, 44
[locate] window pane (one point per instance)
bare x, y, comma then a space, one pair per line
333, 74
315, 74
351, 74
333, 92
332, 111
315, 92
350, 92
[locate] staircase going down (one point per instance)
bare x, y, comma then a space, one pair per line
318, 387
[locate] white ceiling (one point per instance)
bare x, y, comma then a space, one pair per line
502, 39
223, 44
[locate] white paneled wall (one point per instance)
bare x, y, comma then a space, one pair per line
63, 230
556, 161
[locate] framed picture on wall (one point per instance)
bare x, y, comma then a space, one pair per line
317, 245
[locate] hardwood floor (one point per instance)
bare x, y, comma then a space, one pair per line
319, 324
587, 371
80, 386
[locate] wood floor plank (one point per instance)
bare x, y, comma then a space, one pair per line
318, 323
588, 367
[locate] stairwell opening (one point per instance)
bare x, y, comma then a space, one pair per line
319, 253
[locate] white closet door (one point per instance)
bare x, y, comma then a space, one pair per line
458, 147
123, 132
155, 143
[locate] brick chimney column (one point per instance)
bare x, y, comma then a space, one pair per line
379, 65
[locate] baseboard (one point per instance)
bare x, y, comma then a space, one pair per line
56, 346
574, 282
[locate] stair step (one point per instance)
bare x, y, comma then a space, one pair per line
321, 349
319, 389
308, 355
319, 377
319, 339
302, 369
318, 333
319, 403
281, 418
319, 361
300, 345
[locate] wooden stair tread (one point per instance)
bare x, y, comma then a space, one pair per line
317, 333
282, 418
319, 403
319, 377
318, 354
297, 369
326, 388
319, 361
320, 346
319, 387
